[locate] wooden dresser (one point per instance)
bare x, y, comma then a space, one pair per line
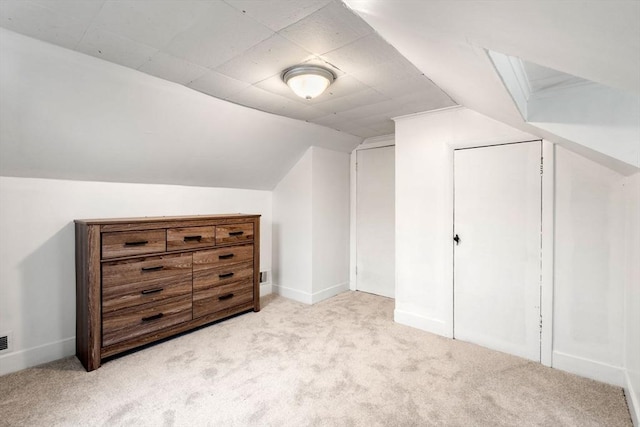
139, 280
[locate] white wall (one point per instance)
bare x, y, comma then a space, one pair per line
311, 227
631, 191
292, 231
37, 270
330, 228
590, 262
589, 268
424, 209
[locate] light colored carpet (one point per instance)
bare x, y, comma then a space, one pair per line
342, 362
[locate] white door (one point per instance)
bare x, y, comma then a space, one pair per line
497, 221
375, 221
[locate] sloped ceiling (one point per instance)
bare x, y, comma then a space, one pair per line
236, 50
447, 40
66, 115
406, 56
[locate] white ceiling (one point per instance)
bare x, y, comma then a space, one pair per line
236, 50
448, 40
540, 79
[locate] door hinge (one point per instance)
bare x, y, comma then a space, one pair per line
541, 165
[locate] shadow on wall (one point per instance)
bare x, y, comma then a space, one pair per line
47, 291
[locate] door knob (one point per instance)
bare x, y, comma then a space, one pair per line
456, 239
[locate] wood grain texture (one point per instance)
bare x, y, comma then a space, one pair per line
131, 295
132, 322
173, 221
115, 273
88, 313
114, 349
218, 298
119, 244
233, 233
256, 265
139, 293
190, 237
222, 256
209, 277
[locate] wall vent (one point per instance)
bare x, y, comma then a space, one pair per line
4, 342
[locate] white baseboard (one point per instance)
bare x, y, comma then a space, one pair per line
633, 400
309, 298
294, 294
588, 368
265, 289
23, 359
329, 292
435, 326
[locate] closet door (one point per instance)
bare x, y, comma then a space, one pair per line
497, 238
375, 221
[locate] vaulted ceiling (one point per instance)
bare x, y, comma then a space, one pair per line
392, 58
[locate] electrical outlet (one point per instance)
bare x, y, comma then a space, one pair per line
264, 276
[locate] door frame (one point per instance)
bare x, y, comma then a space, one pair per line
368, 144
547, 246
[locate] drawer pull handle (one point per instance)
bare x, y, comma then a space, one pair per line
225, 276
236, 233
224, 297
192, 238
151, 291
136, 243
154, 317
156, 268
225, 256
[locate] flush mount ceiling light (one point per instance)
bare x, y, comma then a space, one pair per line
308, 81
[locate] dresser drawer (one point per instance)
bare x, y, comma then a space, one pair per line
233, 233
147, 269
221, 257
190, 237
127, 243
218, 298
138, 293
208, 277
136, 321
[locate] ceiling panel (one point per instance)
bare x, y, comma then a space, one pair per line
173, 69
327, 29
278, 14
364, 97
115, 48
266, 59
364, 53
42, 23
218, 85
387, 72
220, 34
154, 23
265, 101
80, 10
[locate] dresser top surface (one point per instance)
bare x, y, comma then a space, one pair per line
152, 219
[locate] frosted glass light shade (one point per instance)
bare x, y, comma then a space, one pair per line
308, 81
